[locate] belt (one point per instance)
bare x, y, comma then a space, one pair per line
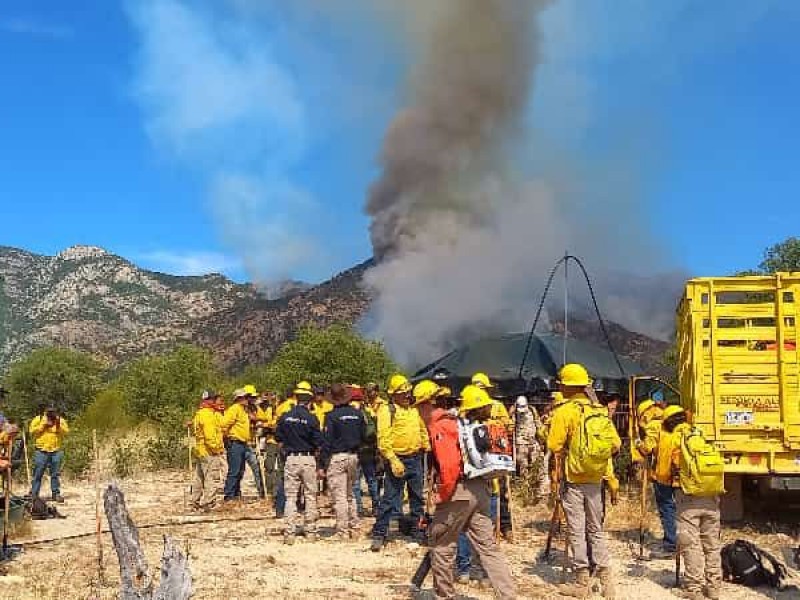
412, 455
299, 454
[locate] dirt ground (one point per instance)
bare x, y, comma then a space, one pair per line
247, 560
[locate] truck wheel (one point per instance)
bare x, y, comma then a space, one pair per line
732, 503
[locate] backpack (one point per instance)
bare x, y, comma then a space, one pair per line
486, 450
370, 428
743, 564
592, 445
702, 469
41, 510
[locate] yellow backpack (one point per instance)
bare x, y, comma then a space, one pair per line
702, 469
592, 445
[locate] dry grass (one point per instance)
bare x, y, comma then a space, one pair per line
246, 559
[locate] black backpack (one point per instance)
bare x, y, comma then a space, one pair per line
743, 563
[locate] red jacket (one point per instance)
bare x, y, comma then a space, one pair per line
443, 431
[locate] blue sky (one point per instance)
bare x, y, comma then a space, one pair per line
242, 135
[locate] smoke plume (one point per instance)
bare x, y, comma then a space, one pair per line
464, 234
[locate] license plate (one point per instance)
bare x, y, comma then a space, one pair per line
738, 417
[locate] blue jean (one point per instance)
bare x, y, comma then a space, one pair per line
251, 458
47, 461
665, 500
464, 548
393, 494
237, 453
366, 467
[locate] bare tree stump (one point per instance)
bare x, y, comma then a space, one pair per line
136, 582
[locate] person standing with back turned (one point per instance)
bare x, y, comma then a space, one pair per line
298, 432
342, 437
585, 438
462, 505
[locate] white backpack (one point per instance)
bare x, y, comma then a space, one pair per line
485, 450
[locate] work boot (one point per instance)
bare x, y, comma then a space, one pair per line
462, 578
609, 586
579, 589
377, 544
58, 498
288, 539
508, 536
712, 592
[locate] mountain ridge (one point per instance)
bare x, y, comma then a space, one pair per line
90, 299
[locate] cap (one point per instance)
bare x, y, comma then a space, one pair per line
209, 395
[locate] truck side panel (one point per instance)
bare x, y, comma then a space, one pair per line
738, 368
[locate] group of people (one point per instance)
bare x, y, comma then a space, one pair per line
407, 445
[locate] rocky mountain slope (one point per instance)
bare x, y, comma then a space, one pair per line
90, 299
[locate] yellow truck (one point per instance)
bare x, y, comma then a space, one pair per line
738, 378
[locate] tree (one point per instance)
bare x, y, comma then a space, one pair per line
61, 377
165, 387
784, 256
324, 356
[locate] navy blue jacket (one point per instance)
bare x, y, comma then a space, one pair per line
298, 431
345, 428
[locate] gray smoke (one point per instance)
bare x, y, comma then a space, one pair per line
464, 239
468, 93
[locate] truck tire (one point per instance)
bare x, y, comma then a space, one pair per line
732, 502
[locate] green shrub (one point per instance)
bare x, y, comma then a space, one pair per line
106, 412
124, 458
168, 449
77, 452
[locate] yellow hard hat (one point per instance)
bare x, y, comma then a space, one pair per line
482, 380
250, 390
574, 375
425, 391
644, 406
473, 397
303, 388
398, 384
671, 410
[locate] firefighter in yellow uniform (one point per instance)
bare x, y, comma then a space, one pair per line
652, 442
582, 489
236, 429
320, 406
209, 450
402, 440
698, 513
48, 430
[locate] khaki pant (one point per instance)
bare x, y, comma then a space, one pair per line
209, 476
341, 478
698, 540
299, 473
467, 511
583, 506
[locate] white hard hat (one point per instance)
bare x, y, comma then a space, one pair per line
521, 402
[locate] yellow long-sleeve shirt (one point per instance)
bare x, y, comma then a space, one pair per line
403, 434
500, 416
667, 444
566, 420
236, 423
48, 438
207, 433
284, 407
320, 410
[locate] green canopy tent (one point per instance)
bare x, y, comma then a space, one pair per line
500, 357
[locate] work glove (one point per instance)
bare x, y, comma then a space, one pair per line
397, 466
